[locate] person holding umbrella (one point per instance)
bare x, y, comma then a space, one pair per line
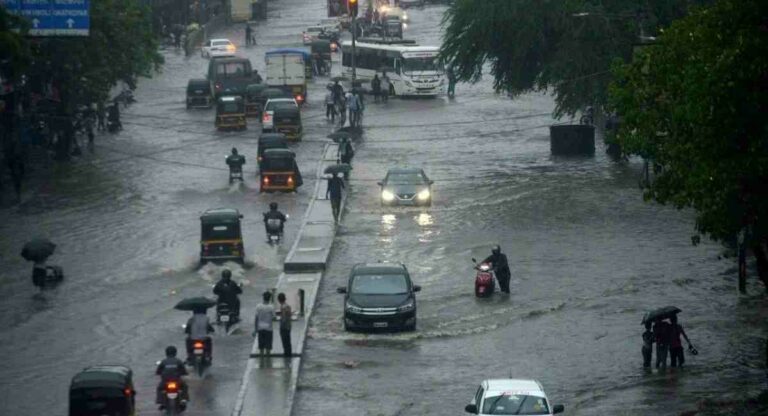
38, 251
197, 329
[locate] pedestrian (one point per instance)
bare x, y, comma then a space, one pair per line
676, 352
353, 105
330, 107
346, 152
101, 114
248, 34
285, 324
265, 312
342, 110
360, 107
335, 186
647, 350
661, 331
386, 87
376, 87
256, 77
451, 81
338, 91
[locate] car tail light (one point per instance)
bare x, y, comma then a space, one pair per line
127, 392
266, 180
198, 344
290, 180
266, 117
171, 386
218, 85
259, 158
299, 98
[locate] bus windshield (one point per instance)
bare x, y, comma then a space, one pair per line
421, 64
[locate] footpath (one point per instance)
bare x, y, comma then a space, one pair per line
269, 383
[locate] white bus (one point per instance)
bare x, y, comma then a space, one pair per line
412, 69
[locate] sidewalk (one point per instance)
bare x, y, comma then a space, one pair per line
269, 383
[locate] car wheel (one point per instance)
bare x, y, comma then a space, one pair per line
411, 328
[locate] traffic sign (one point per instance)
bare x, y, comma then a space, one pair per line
53, 17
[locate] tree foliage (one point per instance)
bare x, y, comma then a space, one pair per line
566, 46
695, 103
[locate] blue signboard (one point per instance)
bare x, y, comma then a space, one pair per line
53, 17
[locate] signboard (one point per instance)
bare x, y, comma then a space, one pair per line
53, 17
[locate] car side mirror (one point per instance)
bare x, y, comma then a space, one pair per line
341, 290
473, 260
558, 408
471, 408
416, 288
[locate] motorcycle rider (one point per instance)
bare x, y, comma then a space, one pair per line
198, 327
171, 368
274, 214
227, 291
235, 161
498, 261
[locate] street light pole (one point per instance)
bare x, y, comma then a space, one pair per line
354, 38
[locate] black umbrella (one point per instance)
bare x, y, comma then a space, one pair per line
340, 168
193, 304
339, 136
661, 313
38, 249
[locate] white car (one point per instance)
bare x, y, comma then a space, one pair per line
267, 116
218, 47
511, 397
311, 34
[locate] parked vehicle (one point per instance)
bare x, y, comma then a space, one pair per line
406, 186
221, 238
379, 296
229, 75
289, 68
279, 171
511, 397
218, 47
101, 390
230, 113
199, 94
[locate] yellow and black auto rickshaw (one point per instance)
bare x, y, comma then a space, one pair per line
270, 141
221, 238
279, 171
254, 102
199, 94
102, 390
287, 120
230, 113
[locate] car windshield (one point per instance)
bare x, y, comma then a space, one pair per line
221, 231
514, 404
377, 284
231, 69
405, 178
421, 64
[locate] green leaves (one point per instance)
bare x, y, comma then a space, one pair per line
703, 86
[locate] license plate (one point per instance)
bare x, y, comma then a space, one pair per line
198, 351
225, 318
173, 395
380, 324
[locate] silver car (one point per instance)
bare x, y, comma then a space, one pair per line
406, 186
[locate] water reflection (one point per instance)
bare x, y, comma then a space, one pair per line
424, 219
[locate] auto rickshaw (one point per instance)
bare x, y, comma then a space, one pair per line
253, 100
270, 141
199, 94
279, 171
102, 390
287, 120
230, 113
221, 238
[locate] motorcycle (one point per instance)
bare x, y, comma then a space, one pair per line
485, 280
199, 359
235, 173
274, 234
171, 396
225, 315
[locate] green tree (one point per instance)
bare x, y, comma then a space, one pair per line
563, 46
695, 104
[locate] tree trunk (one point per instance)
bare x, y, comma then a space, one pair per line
760, 249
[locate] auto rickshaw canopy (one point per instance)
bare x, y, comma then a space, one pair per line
198, 87
253, 91
271, 141
232, 104
111, 376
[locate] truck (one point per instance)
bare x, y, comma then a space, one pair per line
245, 10
287, 69
229, 76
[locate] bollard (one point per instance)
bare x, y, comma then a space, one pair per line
301, 302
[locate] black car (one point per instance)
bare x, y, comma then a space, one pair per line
379, 296
406, 186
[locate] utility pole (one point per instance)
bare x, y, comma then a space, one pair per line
352, 10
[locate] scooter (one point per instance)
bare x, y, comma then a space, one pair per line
485, 280
172, 401
274, 233
225, 315
235, 173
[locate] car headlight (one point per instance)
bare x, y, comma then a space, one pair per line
423, 194
405, 16
408, 83
406, 306
387, 195
353, 308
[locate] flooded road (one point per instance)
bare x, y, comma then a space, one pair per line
588, 258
